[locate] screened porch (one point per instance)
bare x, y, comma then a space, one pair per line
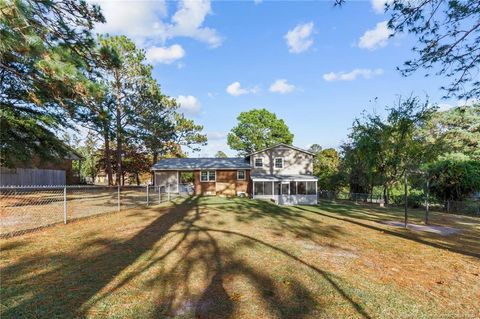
285, 190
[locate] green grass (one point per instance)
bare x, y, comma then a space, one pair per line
211, 257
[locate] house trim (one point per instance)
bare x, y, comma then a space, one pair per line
283, 145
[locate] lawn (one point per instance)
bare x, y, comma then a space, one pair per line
210, 257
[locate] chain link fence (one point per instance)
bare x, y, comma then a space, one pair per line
356, 197
467, 207
25, 208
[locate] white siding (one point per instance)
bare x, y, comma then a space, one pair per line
289, 199
294, 162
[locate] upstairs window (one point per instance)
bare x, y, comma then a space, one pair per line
278, 162
207, 176
259, 162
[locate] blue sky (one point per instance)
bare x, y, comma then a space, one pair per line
316, 66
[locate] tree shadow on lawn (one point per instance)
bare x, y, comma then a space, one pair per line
465, 243
82, 279
281, 219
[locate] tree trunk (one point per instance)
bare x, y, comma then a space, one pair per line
138, 179
385, 194
119, 131
108, 164
119, 149
152, 174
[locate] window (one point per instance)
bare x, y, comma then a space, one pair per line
207, 176
259, 162
285, 189
278, 162
241, 175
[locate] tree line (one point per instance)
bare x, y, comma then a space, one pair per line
56, 75
414, 139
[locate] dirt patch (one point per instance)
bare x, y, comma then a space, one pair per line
440, 230
327, 250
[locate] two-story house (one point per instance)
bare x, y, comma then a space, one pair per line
282, 173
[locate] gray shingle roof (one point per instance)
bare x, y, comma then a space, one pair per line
201, 163
283, 177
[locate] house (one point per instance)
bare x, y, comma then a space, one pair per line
282, 173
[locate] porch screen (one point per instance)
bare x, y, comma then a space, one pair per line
258, 188
263, 188
276, 188
268, 188
302, 188
311, 188
293, 188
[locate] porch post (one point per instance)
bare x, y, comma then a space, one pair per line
273, 192
253, 188
178, 182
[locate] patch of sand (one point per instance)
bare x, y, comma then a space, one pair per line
440, 230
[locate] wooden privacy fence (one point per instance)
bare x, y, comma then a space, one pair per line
31, 176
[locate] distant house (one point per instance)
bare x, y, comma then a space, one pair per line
43, 173
282, 173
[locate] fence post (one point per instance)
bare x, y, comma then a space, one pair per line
65, 204
427, 202
118, 198
147, 197
448, 206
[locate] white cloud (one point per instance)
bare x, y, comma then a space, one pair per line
257, 2
375, 38
146, 22
468, 102
166, 55
213, 147
442, 107
136, 19
281, 86
189, 104
299, 38
379, 5
188, 21
352, 75
236, 89
213, 136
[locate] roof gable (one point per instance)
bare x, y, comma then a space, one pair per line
282, 145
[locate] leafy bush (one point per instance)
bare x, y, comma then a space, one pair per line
454, 178
414, 200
